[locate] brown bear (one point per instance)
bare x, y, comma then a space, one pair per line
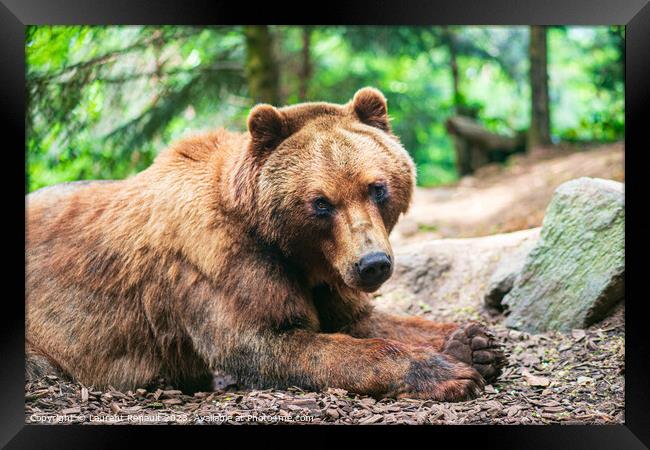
250, 253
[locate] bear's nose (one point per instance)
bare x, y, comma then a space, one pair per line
374, 268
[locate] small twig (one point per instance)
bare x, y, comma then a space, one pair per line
589, 363
613, 327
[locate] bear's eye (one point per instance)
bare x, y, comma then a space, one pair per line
322, 207
378, 192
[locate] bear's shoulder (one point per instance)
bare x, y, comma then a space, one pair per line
206, 145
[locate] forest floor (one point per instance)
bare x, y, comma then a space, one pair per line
500, 199
568, 378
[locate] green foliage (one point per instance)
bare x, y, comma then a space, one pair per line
104, 100
587, 84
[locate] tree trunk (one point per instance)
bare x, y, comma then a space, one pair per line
540, 129
450, 40
261, 66
306, 66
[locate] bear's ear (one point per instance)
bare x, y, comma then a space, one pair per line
267, 128
370, 107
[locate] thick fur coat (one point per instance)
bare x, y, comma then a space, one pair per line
242, 252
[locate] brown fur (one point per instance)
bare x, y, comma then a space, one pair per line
212, 259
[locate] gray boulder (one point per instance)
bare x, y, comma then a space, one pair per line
504, 276
448, 277
575, 274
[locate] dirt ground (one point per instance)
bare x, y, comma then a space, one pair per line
500, 199
567, 378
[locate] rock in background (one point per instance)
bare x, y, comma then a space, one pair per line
504, 276
575, 274
449, 277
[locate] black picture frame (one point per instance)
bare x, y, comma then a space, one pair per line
635, 14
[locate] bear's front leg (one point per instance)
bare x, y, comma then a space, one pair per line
472, 343
376, 367
262, 327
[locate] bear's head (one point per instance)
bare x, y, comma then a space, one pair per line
330, 183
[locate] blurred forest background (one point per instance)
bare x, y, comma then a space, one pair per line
104, 100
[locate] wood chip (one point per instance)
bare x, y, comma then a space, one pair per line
171, 393
335, 391
308, 403
512, 411
333, 413
372, 419
535, 380
529, 359
368, 401
578, 335
554, 409
131, 409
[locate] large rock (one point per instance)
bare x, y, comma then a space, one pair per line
504, 276
575, 274
448, 277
